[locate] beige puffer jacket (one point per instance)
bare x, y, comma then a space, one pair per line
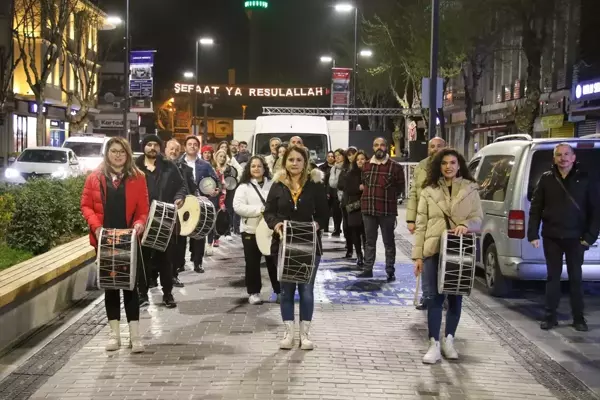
463, 208
418, 179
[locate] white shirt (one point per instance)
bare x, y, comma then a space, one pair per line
192, 165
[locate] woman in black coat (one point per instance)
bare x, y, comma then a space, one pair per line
297, 195
352, 194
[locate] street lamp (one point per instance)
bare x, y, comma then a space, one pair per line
328, 60
435, 40
347, 8
114, 20
205, 42
188, 74
366, 53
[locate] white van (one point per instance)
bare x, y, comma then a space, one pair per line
318, 134
89, 149
507, 172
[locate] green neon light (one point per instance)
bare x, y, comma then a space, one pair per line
256, 4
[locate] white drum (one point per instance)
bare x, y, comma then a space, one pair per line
160, 225
207, 186
196, 217
264, 236
456, 272
297, 252
116, 261
231, 183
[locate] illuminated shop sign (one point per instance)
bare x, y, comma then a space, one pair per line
588, 90
242, 91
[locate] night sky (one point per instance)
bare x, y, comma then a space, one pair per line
295, 34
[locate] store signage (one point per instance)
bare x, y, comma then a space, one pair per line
240, 91
33, 108
140, 74
552, 121
587, 90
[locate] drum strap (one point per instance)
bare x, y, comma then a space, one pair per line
259, 195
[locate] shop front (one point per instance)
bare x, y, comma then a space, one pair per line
552, 122
585, 107
24, 123
491, 124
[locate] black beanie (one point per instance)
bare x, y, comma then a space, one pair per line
151, 138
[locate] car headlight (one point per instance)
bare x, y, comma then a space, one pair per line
60, 174
11, 173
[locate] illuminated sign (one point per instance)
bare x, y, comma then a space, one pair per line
588, 90
256, 4
239, 91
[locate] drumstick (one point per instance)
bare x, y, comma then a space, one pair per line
416, 299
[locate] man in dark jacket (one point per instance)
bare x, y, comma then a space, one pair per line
200, 170
565, 201
173, 153
165, 184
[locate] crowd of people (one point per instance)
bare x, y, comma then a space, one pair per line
357, 191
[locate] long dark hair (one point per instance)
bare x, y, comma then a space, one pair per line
284, 145
354, 165
346, 163
246, 176
228, 151
435, 169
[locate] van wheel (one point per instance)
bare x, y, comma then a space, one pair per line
496, 284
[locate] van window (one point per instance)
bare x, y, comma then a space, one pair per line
316, 144
542, 160
473, 166
43, 156
84, 149
493, 177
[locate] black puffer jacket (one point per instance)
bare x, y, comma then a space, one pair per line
171, 185
312, 205
561, 218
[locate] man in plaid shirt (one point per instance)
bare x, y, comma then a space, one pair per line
382, 181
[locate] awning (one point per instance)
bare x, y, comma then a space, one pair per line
490, 128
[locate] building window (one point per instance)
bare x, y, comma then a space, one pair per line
19, 133
493, 177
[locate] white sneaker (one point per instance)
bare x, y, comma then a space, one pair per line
433, 354
209, 250
228, 238
135, 343
287, 343
114, 340
255, 299
448, 349
305, 342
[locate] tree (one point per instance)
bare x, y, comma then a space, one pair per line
81, 63
373, 91
8, 64
39, 41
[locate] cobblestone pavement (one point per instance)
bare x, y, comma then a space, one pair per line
214, 345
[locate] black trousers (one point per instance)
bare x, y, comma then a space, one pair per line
346, 228
160, 262
229, 207
573, 250
372, 225
197, 247
357, 233
252, 256
336, 213
179, 249
112, 303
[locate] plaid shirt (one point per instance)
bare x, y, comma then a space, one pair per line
382, 185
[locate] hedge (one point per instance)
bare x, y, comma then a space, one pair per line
41, 214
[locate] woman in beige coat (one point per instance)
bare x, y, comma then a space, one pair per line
449, 200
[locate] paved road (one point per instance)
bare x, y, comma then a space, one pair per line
369, 339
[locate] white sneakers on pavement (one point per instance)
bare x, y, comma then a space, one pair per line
448, 349
305, 342
287, 343
255, 299
433, 354
209, 250
114, 339
135, 343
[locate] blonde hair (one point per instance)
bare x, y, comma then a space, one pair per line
214, 159
129, 169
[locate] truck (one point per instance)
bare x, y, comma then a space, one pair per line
319, 134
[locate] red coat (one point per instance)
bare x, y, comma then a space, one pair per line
92, 207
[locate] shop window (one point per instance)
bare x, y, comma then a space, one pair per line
493, 177
19, 133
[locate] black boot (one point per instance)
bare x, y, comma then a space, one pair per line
348, 254
360, 261
549, 322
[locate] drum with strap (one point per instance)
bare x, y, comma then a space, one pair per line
160, 225
297, 252
230, 183
196, 217
264, 236
116, 261
208, 186
456, 273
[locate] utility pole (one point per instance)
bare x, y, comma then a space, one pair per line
433, 74
126, 72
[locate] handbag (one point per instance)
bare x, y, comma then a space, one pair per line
354, 206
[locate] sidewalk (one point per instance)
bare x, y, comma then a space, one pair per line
369, 339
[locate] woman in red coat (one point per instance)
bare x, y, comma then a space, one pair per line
115, 196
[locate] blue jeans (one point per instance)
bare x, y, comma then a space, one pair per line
307, 298
435, 301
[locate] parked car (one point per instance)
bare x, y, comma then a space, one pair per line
507, 172
43, 162
88, 148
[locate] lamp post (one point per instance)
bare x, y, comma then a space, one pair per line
188, 74
206, 42
435, 37
346, 8
328, 60
126, 72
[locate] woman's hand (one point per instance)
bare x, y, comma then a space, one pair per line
418, 266
460, 230
361, 187
139, 229
97, 233
279, 229
179, 203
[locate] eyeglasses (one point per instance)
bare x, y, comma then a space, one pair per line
117, 152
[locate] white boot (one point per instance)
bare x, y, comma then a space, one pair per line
209, 250
287, 342
305, 342
448, 349
114, 340
135, 343
433, 355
